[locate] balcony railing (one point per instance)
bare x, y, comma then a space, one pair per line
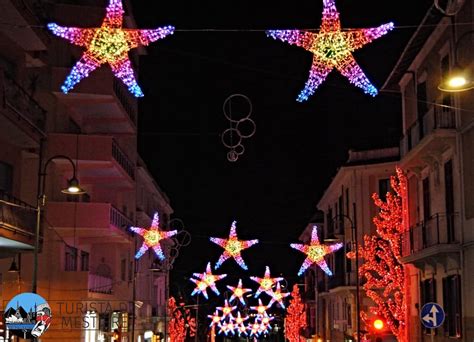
436, 118
439, 229
21, 103
18, 216
127, 103
99, 284
122, 159
119, 220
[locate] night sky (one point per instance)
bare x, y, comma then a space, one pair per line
219, 49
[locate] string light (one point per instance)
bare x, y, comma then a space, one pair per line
152, 238
233, 247
295, 316
382, 267
315, 252
266, 283
332, 48
108, 44
205, 280
238, 292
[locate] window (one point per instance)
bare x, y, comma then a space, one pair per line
130, 271
123, 269
6, 177
428, 295
422, 107
426, 199
449, 194
447, 97
384, 187
452, 305
84, 261
70, 259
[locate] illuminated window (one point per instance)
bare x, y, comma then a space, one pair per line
452, 305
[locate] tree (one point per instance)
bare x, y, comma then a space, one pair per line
176, 325
381, 253
295, 317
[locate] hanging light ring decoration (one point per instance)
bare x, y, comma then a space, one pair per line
229, 134
228, 115
239, 149
253, 128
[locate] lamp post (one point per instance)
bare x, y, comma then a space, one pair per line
459, 79
73, 188
356, 243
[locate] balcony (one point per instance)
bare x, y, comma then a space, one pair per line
23, 120
17, 223
101, 101
429, 136
89, 222
435, 237
99, 158
99, 284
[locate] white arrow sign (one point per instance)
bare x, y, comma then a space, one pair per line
431, 317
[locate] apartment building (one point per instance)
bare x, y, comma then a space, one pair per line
437, 151
86, 267
347, 208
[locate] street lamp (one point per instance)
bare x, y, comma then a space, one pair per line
459, 79
356, 243
72, 188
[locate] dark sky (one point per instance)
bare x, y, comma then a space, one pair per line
273, 188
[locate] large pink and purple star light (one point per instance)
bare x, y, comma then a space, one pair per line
205, 280
109, 44
332, 48
233, 247
315, 252
152, 238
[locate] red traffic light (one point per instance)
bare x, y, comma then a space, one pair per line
378, 324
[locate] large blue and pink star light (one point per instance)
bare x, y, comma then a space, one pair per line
152, 238
108, 44
332, 48
232, 247
315, 252
205, 280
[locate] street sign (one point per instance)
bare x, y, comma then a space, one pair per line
432, 315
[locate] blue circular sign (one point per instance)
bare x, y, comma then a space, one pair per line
432, 315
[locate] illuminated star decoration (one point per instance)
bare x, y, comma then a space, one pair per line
238, 292
152, 238
205, 280
215, 318
266, 283
232, 247
239, 319
332, 48
226, 309
315, 252
110, 44
278, 296
260, 308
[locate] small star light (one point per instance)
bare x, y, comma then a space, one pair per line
152, 238
226, 309
241, 330
278, 296
232, 247
238, 292
205, 280
260, 308
254, 329
265, 319
315, 252
239, 319
266, 283
109, 44
332, 48
215, 318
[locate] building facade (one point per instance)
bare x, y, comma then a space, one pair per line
437, 153
86, 266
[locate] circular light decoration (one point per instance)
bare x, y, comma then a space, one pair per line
238, 292
266, 283
315, 252
205, 280
278, 296
152, 238
332, 48
108, 44
233, 247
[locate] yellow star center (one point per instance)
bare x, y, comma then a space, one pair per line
152, 237
238, 292
261, 309
316, 253
330, 47
108, 45
202, 285
226, 310
234, 247
209, 279
266, 284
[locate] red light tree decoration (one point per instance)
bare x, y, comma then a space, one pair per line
382, 268
176, 326
295, 317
